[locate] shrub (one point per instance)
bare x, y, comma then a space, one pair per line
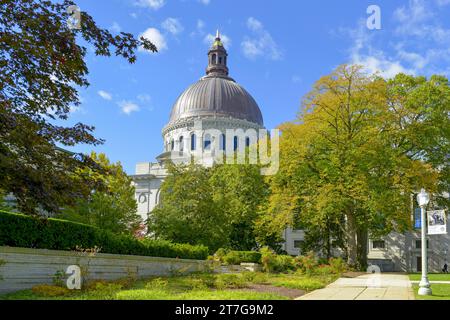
157, 283
238, 257
228, 281
276, 263
255, 277
17, 230
323, 269
220, 253
50, 290
94, 284
285, 263
306, 264
338, 265
268, 259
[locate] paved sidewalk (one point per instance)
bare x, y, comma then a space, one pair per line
366, 287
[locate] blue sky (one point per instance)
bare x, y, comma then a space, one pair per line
277, 50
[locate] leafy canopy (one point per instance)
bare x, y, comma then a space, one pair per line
41, 67
216, 207
113, 209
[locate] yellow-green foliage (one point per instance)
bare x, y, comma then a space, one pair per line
94, 284
338, 265
50, 290
224, 281
272, 262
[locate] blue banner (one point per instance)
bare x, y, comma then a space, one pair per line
417, 219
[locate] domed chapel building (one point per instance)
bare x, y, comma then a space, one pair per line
219, 103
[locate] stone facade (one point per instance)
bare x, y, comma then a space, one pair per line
402, 252
394, 252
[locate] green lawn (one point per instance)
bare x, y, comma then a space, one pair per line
191, 287
440, 291
431, 276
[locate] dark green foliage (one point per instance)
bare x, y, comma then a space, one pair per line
42, 67
17, 230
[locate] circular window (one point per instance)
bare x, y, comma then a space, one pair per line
142, 198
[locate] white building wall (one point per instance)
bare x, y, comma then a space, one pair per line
147, 182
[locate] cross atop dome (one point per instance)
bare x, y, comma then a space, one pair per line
217, 58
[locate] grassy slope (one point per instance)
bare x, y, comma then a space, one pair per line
193, 287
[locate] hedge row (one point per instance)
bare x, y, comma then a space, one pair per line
18, 230
237, 257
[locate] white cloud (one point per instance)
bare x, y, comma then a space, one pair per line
373, 60
76, 109
261, 43
209, 40
200, 25
415, 12
153, 4
419, 44
115, 27
442, 3
205, 2
254, 25
199, 28
417, 60
128, 107
172, 25
105, 95
418, 20
296, 78
146, 100
144, 97
156, 38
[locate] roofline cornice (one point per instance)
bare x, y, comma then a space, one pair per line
189, 122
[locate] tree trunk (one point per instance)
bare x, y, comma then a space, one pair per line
352, 250
362, 248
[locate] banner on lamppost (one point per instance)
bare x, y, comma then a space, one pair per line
437, 222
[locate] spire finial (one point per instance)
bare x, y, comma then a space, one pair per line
217, 58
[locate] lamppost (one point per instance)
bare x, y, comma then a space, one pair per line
424, 286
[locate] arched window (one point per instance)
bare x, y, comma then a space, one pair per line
214, 59
172, 145
235, 143
220, 60
193, 142
207, 142
225, 60
247, 142
181, 144
222, 142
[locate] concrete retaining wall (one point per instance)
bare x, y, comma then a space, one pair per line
23, 268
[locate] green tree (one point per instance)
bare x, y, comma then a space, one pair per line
216, 207
239, 191
341, 172
112, 209
187, 212
41, 67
